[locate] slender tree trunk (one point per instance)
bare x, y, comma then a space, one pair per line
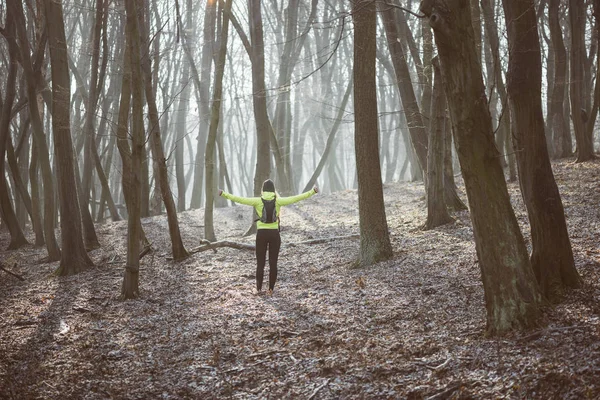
585, 146
209, 232
559, 125
181, 128
162, 178
437, 213
123, 142
453, 201
503, 137
552, 257
416, 124
203, 96
17, 238
39, 137
330, 139
512, 295
74, 256
375, 243
130, 287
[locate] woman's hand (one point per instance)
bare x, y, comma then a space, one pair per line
316, 189
220, 192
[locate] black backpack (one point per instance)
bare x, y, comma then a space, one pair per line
269, 213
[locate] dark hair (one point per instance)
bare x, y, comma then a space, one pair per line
268, 186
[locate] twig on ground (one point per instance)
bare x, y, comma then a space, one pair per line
444, 393
540, 333
325, 240
223, 243
312, 396
12, 273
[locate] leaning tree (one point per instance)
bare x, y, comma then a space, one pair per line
512, 295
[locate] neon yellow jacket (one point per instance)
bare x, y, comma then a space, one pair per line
257, 203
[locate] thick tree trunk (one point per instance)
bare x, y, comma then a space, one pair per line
17, 238
374, 236
437, 213
512, 295
552, 257
74, 257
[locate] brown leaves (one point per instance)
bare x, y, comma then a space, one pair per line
411, 327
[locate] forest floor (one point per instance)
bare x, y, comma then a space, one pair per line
412, 327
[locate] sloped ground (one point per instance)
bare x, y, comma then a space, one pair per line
412, 327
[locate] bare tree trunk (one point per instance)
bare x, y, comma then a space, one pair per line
330, 139
559, 125
437, 213
162, 178
512, 295
128, 170
209, 232
74, 256
552, 257
585, 146
130, 287
181, 128
375, 243
416, 124
503, 137
38, 130
202, 82
17, 238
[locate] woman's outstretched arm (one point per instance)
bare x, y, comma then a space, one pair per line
249, 201
284, 201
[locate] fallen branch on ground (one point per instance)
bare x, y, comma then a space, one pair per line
540, 333
312, 396
12, 273
223, 243
206, 245
325, 240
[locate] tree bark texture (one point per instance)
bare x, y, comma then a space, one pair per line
552, 256
561, 131
74, 257
17, 238
38, 130
130, 287
512, 296
416, 125
210, 158
162, 176
437, 213
585, 146
374, 236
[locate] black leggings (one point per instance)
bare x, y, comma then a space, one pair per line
267, 238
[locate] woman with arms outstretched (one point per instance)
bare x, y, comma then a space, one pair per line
267, 208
